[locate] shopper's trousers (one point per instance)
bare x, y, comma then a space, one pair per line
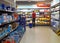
33, 22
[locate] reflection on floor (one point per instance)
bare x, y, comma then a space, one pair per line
40, 34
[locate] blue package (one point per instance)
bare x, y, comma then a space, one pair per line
5, 19
1, 20
12, 9
3, 6
9, 17
9, 28
8, 8
30, 25
0, 6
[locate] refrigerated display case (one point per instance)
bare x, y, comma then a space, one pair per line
42, 17
55, 17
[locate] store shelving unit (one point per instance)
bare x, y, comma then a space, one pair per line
7, 28
7, 34
55, 18
42, 17
6, 31
11, 23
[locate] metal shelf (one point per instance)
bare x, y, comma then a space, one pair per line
55, 19
40, 24
4, 11
55, 11
57, 32
56, 5
8, 23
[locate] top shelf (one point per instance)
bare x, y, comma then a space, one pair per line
56, 5
4, 11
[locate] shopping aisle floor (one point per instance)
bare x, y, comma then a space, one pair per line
40, 34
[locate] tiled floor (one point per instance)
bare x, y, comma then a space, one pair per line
40, 34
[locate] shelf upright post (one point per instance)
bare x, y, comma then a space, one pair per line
59, 17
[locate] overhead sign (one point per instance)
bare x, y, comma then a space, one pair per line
38, 5
43, 5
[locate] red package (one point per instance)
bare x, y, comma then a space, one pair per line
7, 41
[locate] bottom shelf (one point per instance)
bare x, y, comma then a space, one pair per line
15, 36
56, 31
6, 33
40, 24
58, 34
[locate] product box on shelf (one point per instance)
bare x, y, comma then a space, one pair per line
8, 8
54, 23
1, 19
12, 9
6, 31
9, 28
55, 9
5, 27
15, 16
16, 38
8, 18
5, 17
3, 7
55, 15
14, 25
0, 6
46, 10
1, 29
8, 40
17, 34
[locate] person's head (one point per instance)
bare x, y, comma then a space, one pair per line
33, 11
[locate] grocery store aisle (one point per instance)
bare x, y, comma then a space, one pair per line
40, 34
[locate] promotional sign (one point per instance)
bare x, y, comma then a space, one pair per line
37, 5
43, 5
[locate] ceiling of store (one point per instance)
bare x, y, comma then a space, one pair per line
23, 2
30, 0
33, 0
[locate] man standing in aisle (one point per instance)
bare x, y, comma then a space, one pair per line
33, 18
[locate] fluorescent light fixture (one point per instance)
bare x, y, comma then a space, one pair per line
30, 0
25, 10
